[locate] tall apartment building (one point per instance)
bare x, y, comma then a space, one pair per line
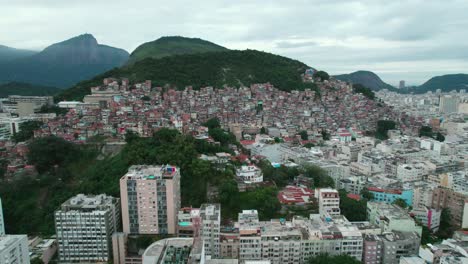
150, 199
2, 222
14, 249
329, 202
210, 229
249, 236
84, 227
448, 104
452, 200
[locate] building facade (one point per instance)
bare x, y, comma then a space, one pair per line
14, 249
150, 199
210, 215
84, 226
2, 221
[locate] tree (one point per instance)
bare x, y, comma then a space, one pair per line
277, 140
359, 88
26, 130
366, 194
382, 128
263, 130
400, 202
445, 227
320, 176
304, 135
212, 123
353, 210
325, 135
146, 98
46, 152
440, 137
327, 259
309, 145
322, 75
425, 131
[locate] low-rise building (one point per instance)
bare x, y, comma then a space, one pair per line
250, 174
391, 218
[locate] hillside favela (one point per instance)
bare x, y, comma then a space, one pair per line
249, 132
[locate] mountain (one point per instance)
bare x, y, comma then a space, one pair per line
168, 46
17, 88
64, 64
446, 83
366, 78
8, 54
232, 67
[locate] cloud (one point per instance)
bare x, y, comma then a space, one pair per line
410, 39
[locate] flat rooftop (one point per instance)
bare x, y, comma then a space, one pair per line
147, 172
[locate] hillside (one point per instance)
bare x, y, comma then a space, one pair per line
17, 88
8, 54
168, 46
366, 78
233, 68
446, 83
64, 64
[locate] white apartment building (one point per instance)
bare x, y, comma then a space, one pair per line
411, 172
250, 174
429, 217
329, 202
211, 223
84, 227
2, 221
14, 249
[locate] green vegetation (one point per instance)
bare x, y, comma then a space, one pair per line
366, 194
26, 130
233, 68
445, 229
359, 88
304, 135
325, 135
426, 131
18, 88
169, 46
309, 145
323, 76
382, 128
353, 210
446, 83
401, 203
327, 259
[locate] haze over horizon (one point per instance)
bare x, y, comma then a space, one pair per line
413, 41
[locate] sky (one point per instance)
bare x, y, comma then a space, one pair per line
411, 40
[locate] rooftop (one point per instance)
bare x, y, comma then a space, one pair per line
148, 172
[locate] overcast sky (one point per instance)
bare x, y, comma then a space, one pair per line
411, 40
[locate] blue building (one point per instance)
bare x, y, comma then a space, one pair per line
389, 196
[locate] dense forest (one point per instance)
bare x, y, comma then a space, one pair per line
232, 68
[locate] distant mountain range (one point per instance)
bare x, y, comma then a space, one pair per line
176, 61
446, 83
366, 78
16, 88
371, 80
8, 54
63, 64
169, 46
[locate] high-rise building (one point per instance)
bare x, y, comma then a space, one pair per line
150, 199
402, 84
329, 202
84, 227
448, 104
14, 249
2, 222
211, 223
